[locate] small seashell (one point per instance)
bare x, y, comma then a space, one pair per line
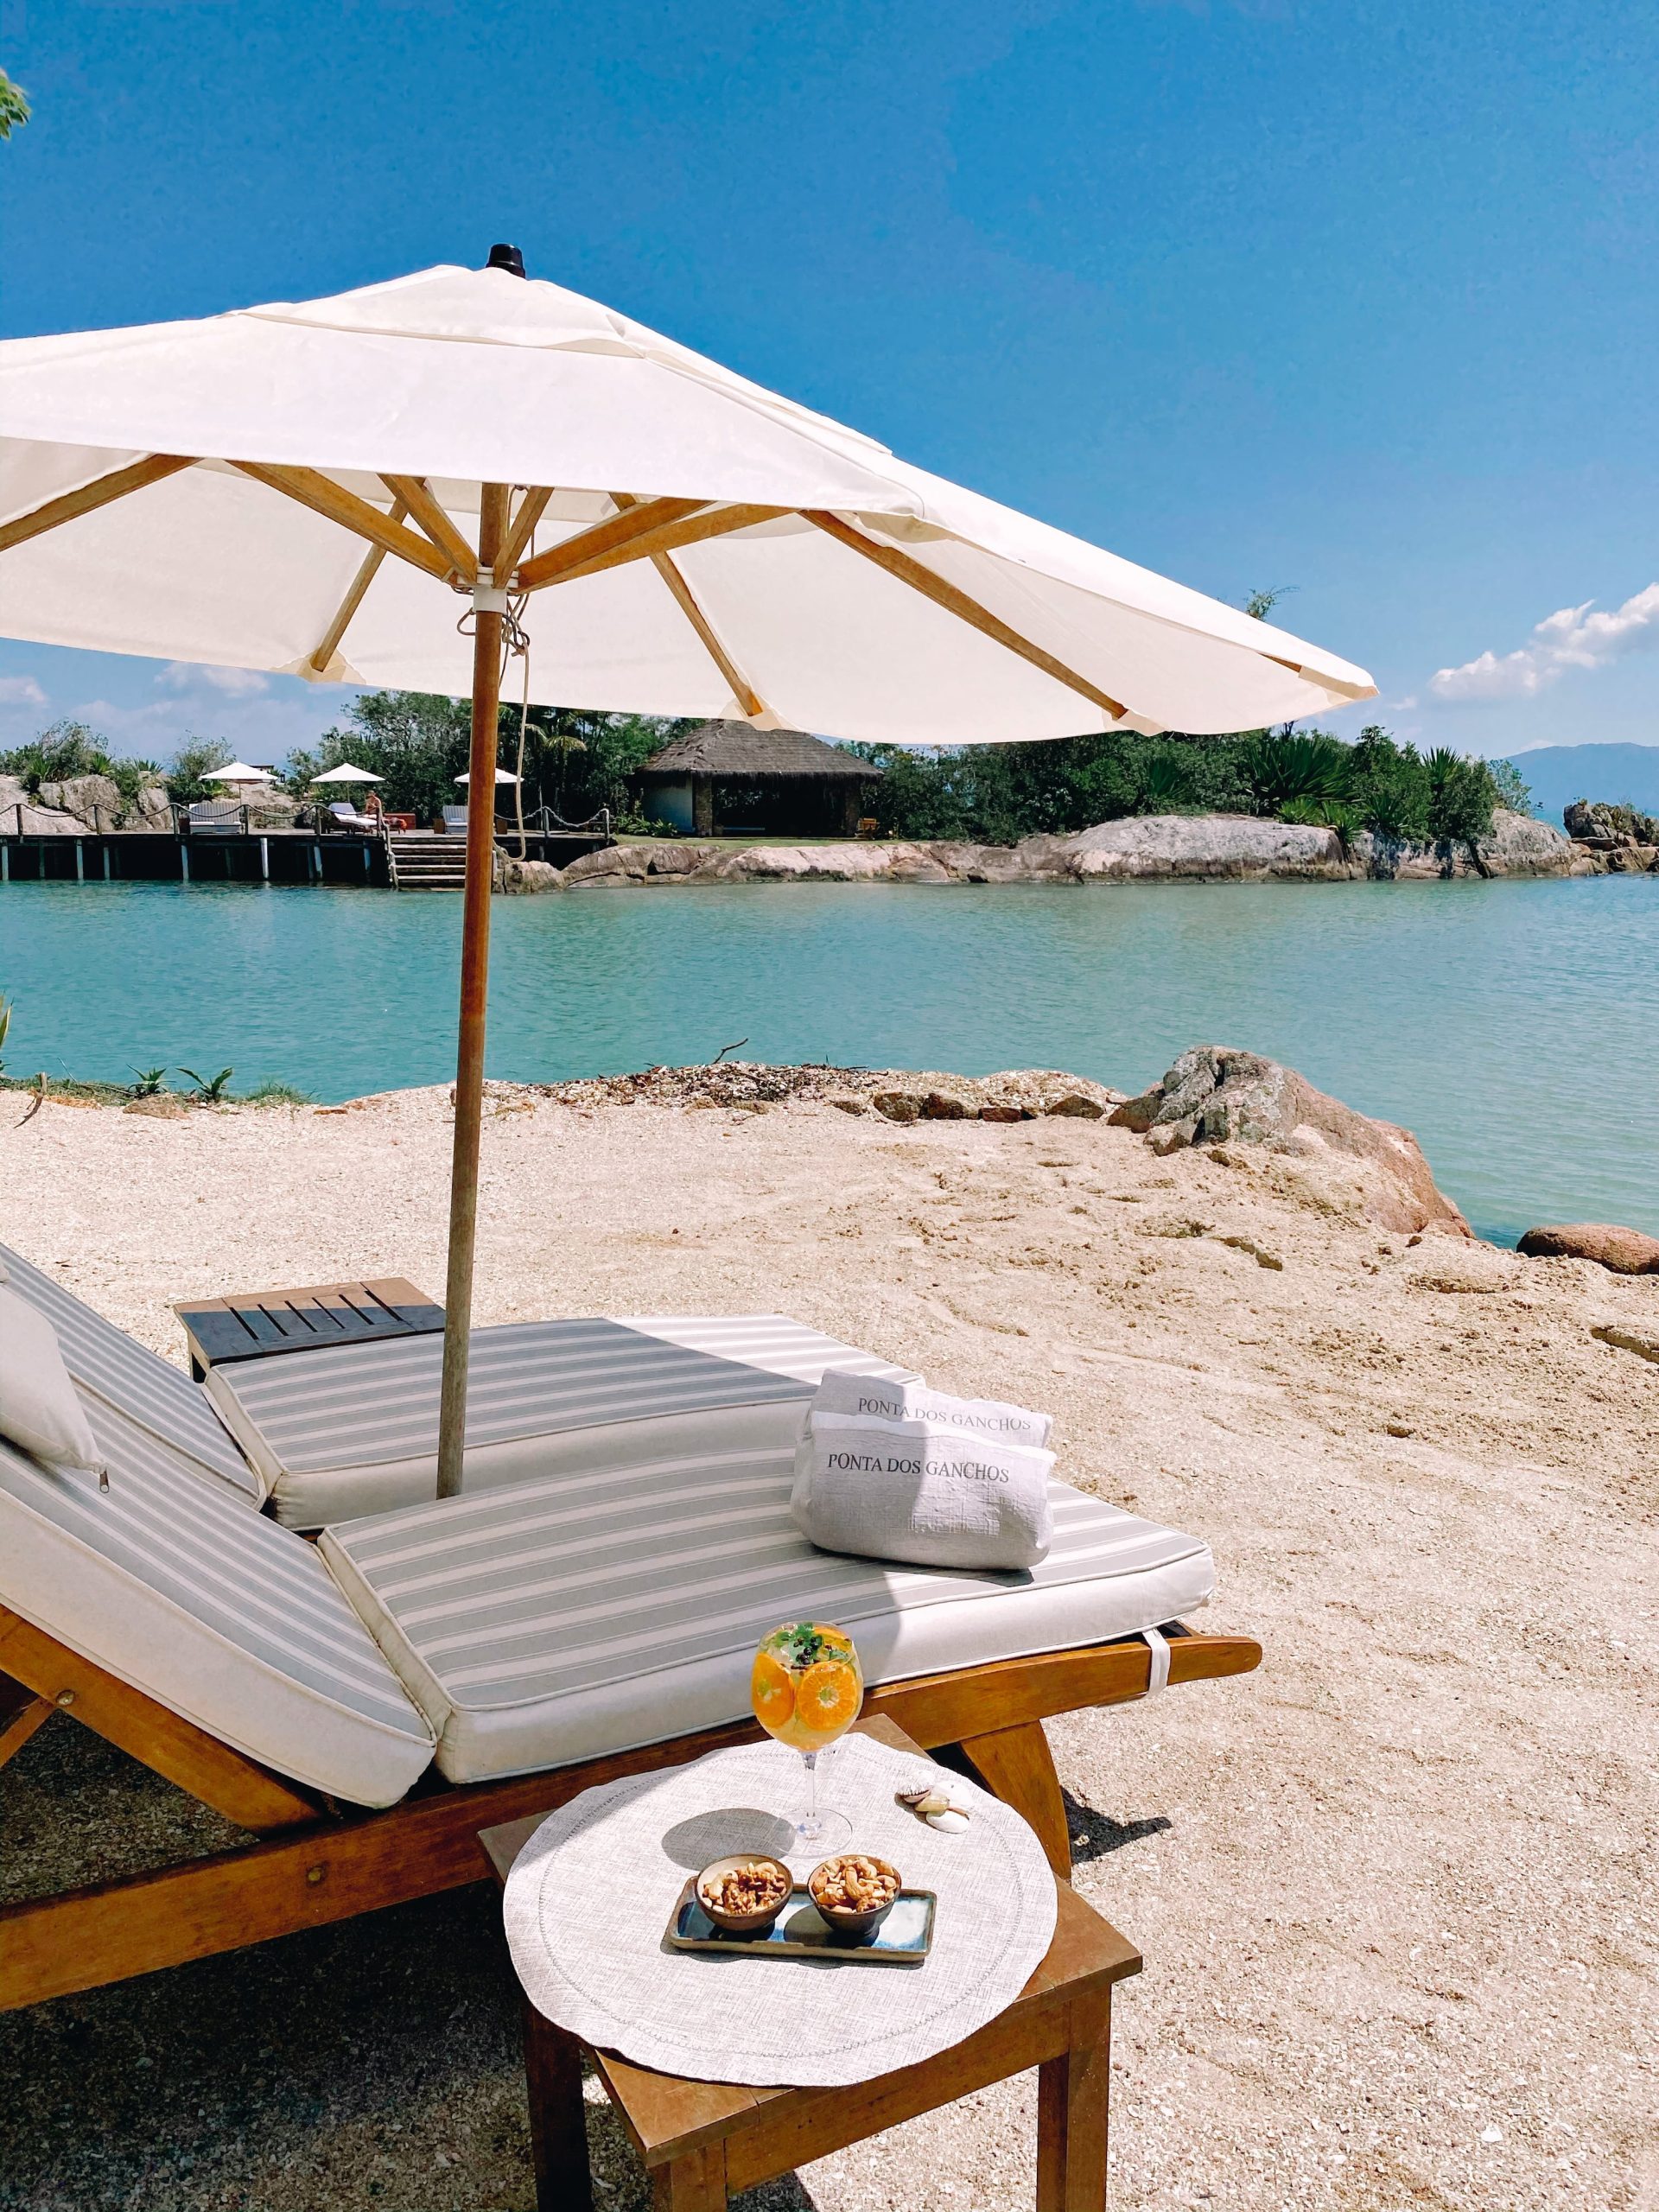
927, 1800
949, 1822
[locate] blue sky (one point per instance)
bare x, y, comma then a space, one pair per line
1351, 297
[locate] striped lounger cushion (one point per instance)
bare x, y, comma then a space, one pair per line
150, 1391
169, 1582
558, 1620
353, 1430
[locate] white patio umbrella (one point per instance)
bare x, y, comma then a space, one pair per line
307, 486
345, 773
238, 771
502, 776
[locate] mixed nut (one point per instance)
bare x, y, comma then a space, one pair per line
854, 1882
747, 1889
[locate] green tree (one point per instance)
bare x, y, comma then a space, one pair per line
186, 773
1389, 787
72, 748
415, 741
1261, 604
1462, 796
1511, 786
13, 106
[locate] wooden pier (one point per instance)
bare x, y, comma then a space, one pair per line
425, 859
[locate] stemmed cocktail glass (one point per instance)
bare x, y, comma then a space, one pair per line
808, 1689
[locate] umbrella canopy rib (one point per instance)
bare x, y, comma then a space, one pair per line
957, 602
90, 497
742, 690
428, 512
320, 493
532, 508
328, 644
666, 538
614, 535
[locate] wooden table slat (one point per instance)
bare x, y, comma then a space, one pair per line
255, 1324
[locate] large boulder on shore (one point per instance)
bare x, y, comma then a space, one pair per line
1217, 847
1517, 844
1215, 1095
94, 801
895, 862
1621, 1251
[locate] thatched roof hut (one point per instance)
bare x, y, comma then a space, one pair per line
731, 776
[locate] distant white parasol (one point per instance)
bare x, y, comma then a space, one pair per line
502, 776
238, 771
345, 773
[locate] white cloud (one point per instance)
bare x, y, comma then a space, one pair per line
1573, 637
191, 676
21, 691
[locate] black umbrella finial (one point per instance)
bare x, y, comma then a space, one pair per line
507, 257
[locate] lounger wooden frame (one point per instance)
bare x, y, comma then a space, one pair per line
318, 1862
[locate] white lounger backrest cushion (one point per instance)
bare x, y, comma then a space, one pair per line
353, 1430
561, 1620
39, 1410
169, 1582
139, 1382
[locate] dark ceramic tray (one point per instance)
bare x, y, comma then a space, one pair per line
904, 1938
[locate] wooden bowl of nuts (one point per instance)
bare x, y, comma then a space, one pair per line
853, 1892
744, 1894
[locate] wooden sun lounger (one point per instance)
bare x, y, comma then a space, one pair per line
320, 1862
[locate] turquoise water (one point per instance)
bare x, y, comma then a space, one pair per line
1515, 1027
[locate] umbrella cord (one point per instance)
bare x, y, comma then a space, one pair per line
515, 638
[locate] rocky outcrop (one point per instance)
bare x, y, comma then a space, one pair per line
81, 806
1214, 1096
95, 801
528, 875
1621, 1251
1239, 847
1015, 1095
1139, 848
1519, 845
1612, 839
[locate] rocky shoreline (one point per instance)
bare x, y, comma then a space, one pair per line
1139, 848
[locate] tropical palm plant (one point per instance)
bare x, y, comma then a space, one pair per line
1288, 766
1164, 781
210, 1089
1461, 795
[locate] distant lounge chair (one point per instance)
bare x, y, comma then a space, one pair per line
585, 1614
213, 818
344, 815
452, 821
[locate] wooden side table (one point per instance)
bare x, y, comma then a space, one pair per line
249, 1325
702, 2141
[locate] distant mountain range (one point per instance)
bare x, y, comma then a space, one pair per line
1624, 775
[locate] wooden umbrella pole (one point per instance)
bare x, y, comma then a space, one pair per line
474, 991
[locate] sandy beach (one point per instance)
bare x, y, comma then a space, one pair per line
1394, 1892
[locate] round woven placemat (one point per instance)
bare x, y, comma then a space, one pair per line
588, 1904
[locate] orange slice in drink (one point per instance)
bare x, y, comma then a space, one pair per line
772, 1691
828, 1698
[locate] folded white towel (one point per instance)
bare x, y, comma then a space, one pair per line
872, 1399
920, 1491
